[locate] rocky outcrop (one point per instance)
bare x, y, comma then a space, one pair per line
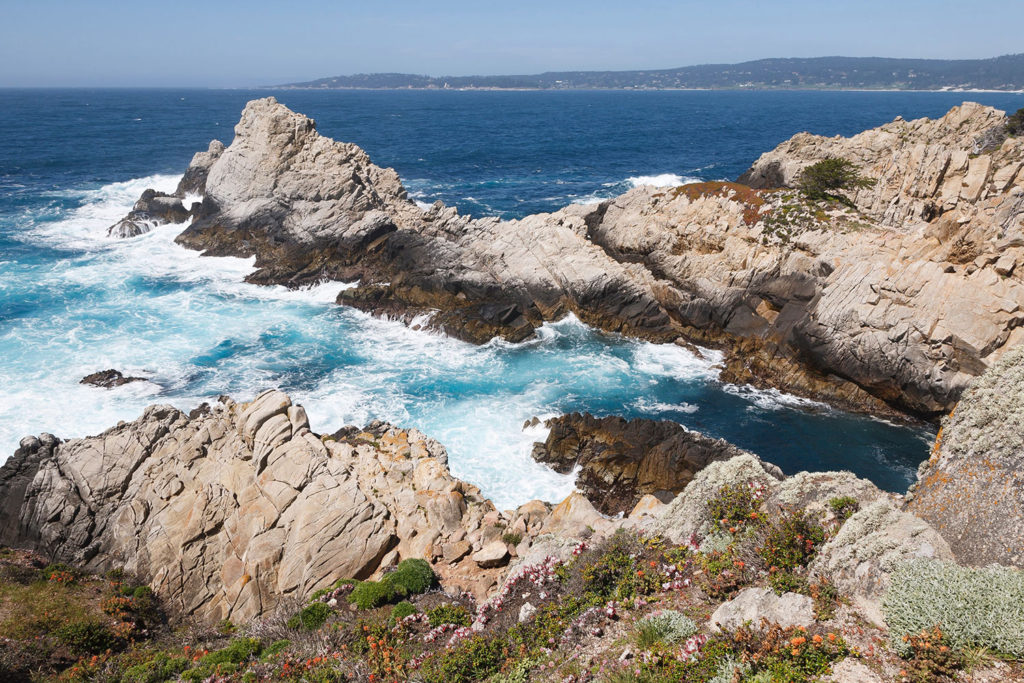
158, 208
883, 308
231, 511
622, 460
972, 488
109, 379
153, 209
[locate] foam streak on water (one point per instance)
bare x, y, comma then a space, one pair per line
191, 326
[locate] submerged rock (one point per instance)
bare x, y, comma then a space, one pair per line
622, 460
108, 379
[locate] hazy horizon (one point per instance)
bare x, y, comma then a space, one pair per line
111, 43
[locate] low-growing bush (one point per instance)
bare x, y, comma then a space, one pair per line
401, 611
843, 507
157, 670
411, 577
86, 637
735, 506
972, 607
791, 542
449, 614
310, 617
512, 538
666, 627
930, 658
475, 659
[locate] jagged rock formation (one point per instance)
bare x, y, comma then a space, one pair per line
158, 208
230, 511
622, 460
972, 488
236, 508
869, 309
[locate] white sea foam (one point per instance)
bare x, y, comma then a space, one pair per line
773, 399
650, 406
661, 180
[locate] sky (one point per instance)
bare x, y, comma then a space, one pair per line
95, 43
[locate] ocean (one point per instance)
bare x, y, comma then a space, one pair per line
73, 301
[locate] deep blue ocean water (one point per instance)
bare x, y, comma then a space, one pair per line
73, 301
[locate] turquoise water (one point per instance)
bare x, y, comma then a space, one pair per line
73, 301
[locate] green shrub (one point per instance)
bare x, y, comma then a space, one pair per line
666, 627
86, 637
791, 542
973, 607
1015, 123
787, 582
734, 507
843, 507
472, 660
411, 577
449, 614
512, 538
58, 568
930, 658
370, 594
275, 648
401, 611
157, 670
829, 177
236, 652
310, 617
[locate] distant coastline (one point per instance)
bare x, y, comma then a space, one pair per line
999, 74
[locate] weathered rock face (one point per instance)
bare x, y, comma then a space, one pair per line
860, 559
229, 512
622, 460
972, 488
896, 305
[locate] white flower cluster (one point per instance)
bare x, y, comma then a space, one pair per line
537, 575
337, 593
676, 579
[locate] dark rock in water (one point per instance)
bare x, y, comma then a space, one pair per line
972, 488
622, 460
108, 379
153, 209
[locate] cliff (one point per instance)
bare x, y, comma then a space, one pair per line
891, 306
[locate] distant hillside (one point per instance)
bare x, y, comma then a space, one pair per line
877, 73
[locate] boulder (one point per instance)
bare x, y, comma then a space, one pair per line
755, 605
972, 488
860, 558
494, 554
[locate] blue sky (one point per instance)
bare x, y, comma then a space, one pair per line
238, 44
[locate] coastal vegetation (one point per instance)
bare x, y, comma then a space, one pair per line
830, 178
634, 607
